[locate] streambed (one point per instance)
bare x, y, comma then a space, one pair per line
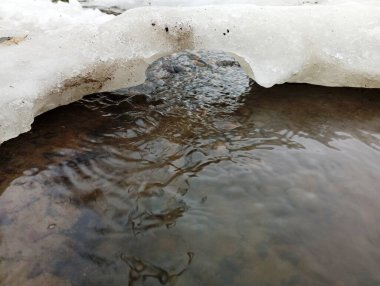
197, 177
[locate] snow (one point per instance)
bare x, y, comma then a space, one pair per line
62, 52
35, 16
129, 4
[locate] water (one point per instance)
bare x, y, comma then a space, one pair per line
198, 177
112, 10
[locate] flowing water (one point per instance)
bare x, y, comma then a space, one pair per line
197, 177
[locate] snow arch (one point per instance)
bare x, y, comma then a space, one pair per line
58, 63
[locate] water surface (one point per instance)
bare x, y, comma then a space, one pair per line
197, 177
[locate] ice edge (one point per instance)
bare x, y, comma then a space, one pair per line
274, 45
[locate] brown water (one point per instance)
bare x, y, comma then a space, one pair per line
198, 177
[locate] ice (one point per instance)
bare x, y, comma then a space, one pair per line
61, 52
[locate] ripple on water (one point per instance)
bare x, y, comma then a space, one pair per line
197, 177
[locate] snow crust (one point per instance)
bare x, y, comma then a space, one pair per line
69, 52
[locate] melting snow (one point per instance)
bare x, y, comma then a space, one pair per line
62, 52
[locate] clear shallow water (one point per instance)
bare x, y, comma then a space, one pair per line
198, 177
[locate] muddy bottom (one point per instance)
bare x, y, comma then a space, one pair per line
197, 177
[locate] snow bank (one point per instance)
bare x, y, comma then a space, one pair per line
128, 4
70, 52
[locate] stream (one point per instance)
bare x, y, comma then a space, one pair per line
196, 177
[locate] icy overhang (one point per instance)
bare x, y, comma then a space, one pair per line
64, 58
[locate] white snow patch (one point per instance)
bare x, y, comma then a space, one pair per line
70, 52
19, 17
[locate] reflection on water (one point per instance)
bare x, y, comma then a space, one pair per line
197, 177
